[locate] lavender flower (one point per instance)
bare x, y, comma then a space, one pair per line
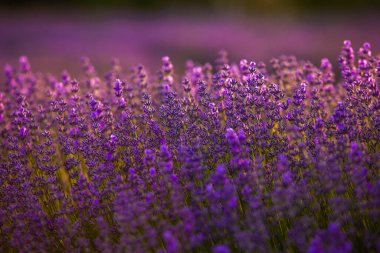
226, 158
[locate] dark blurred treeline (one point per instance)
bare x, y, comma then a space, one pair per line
245, 6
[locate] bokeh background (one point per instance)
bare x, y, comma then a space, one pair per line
55, 34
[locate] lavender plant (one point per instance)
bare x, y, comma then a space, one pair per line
230, 157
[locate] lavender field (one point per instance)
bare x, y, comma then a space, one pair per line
232, 157
172, 133
54, 42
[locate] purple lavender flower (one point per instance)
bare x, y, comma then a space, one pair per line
331, 240
226, 158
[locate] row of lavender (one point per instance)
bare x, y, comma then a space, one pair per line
231, 158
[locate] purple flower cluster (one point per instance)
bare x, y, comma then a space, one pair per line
230, 157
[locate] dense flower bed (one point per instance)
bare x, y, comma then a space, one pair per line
228, 158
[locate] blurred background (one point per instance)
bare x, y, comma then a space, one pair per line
55, 34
